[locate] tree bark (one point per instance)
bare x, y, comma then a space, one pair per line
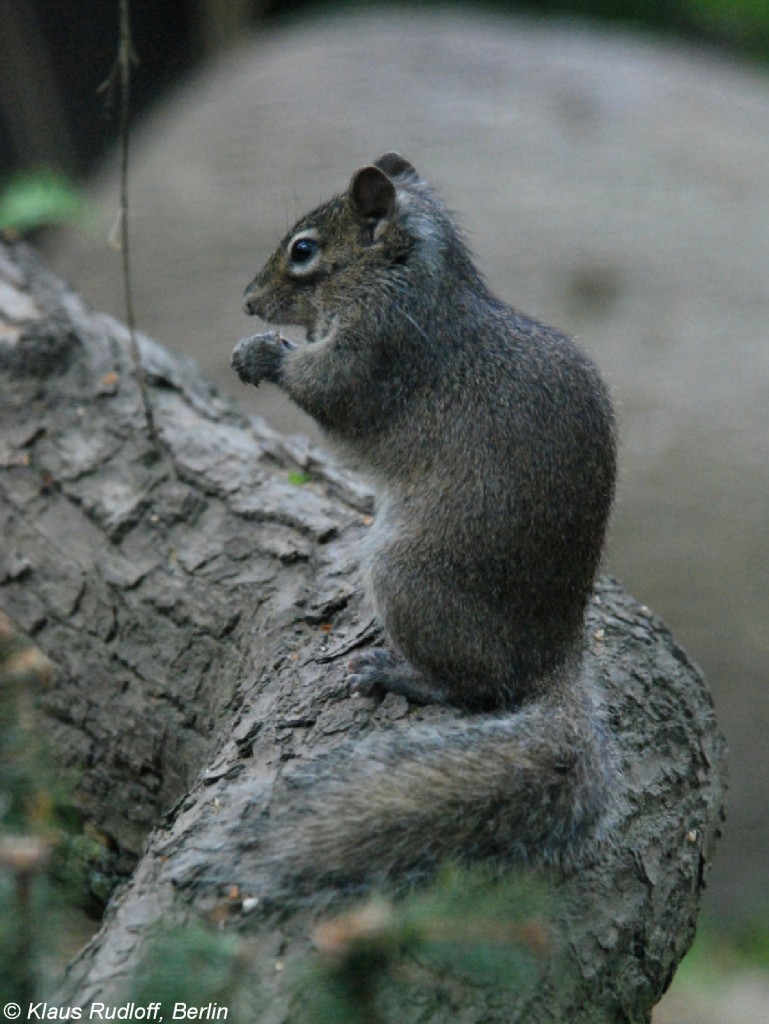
199, 599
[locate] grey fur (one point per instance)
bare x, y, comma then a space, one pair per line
490, 439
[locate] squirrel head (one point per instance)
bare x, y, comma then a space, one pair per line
375, 246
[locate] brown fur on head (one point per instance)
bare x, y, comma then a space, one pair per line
388, 224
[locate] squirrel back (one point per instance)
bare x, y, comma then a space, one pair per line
490, 441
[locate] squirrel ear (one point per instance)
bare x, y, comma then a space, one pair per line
396, 166
372, 193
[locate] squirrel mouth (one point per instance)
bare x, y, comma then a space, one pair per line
309, 337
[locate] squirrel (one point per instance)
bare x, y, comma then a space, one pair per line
490, 439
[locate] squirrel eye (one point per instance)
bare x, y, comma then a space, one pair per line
303, 249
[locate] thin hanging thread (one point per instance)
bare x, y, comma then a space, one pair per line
120, 79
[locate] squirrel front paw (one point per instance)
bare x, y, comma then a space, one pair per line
260, 357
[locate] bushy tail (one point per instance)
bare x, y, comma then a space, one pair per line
526, 786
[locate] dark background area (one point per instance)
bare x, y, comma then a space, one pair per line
56, 56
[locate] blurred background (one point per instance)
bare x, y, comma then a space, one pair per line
610, 162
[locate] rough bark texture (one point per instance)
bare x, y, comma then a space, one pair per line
199, 604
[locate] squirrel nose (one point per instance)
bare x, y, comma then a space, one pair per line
251, 297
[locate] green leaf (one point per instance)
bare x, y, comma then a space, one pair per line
298, 479
34, 200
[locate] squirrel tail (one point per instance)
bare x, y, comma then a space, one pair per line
526, 786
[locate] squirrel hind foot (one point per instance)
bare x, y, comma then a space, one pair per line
378, 672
